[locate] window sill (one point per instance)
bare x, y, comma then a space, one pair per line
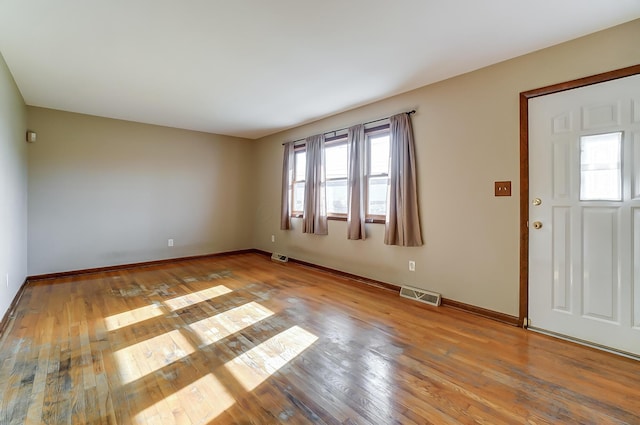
374, 220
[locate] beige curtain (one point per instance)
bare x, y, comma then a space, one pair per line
287, 175
356, 181
403, 223
314, 219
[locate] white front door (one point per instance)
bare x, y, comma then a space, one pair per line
584, 216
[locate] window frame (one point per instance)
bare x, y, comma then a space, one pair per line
374, 132
296, 213
334, 142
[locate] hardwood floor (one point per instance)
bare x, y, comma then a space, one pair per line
243, 340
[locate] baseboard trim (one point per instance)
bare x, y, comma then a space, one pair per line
134, 265
361, 279
478, 311
12, 307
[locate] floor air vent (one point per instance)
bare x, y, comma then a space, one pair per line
279, 257
421, 295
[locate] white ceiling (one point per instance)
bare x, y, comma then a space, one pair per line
253, 67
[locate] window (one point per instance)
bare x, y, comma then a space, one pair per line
600, 167
377, 174
336, 157
299, 171
337, 160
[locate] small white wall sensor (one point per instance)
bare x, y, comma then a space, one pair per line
31, 136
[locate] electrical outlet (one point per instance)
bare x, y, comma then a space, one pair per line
412, 266
502, 188
273, 238
170, 242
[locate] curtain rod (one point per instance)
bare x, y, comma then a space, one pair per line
343, 129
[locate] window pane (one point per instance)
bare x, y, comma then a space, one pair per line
336, 161
298, 196
377, 204
600, 170
337, 196
300, 165
379, 147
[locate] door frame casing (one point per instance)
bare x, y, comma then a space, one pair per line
524, 167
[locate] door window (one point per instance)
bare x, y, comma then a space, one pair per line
600, 167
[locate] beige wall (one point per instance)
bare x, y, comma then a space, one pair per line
13, 189
467, 137
106, 192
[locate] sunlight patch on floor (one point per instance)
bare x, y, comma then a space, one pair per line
213, 329
150, 355
206, 398
196, 297
256, 365
126, 318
